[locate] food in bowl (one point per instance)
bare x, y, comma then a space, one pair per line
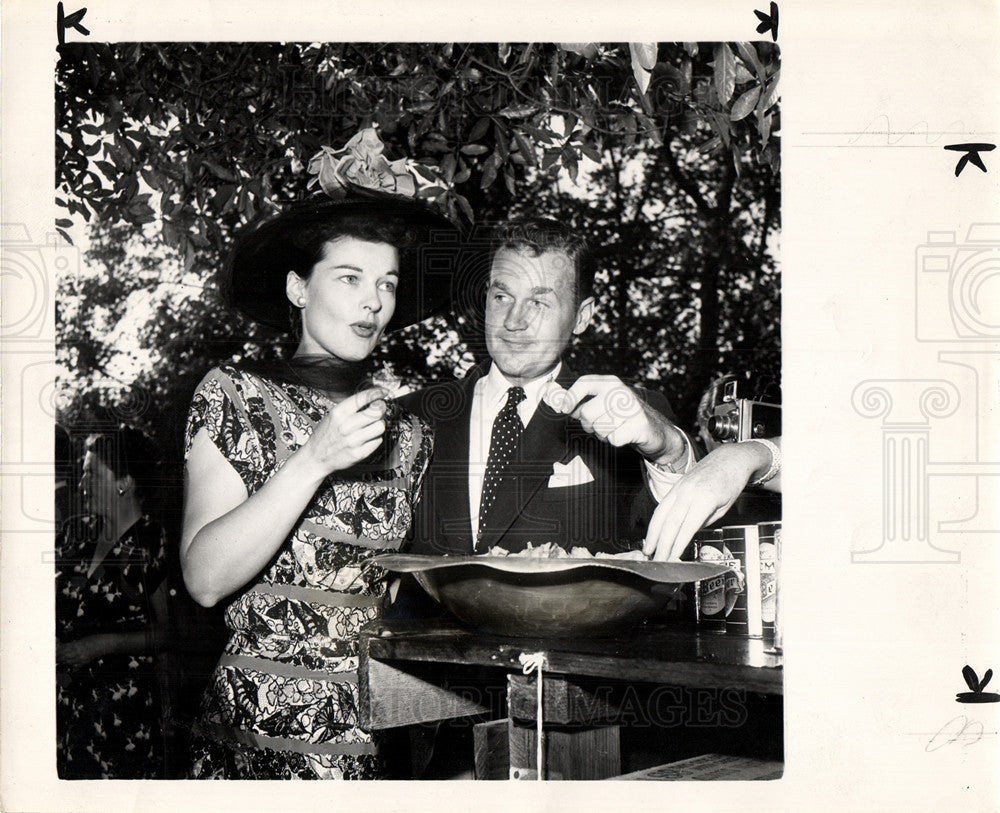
550, 550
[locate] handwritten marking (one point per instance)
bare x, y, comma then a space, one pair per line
768, 21
971, 150
947, 735
74, 20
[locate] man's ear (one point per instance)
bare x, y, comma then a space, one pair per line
295, 289
584, 313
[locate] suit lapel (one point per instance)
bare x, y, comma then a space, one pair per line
543, 442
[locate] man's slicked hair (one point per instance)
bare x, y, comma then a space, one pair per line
537, 235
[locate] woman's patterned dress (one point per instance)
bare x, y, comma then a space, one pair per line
283, 700
108, 712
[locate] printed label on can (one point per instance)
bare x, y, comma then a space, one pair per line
734, 581
712, 592
768, 585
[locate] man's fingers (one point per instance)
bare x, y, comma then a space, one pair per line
621, 435
588, 387
557, 398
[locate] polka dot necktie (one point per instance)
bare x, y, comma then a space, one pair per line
507, 429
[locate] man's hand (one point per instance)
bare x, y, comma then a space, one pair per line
613, 412
703, 495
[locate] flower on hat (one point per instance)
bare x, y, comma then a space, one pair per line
361, 162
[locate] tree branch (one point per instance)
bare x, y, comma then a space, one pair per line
689, 187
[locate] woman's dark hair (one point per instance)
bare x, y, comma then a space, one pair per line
128, 452
256, 271
307, 241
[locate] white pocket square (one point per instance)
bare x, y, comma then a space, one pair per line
574, 473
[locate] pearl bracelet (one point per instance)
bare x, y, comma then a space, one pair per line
775, 467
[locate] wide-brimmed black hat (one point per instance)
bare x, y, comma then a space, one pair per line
264, 252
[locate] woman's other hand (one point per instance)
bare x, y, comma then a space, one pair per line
702, 496
350, 432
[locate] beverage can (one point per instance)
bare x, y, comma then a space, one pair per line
710, 594
740, 542
770, 535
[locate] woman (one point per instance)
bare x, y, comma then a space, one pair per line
297, 474
111, 616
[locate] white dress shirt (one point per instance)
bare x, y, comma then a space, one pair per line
489, 397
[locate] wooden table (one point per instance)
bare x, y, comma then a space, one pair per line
427, 670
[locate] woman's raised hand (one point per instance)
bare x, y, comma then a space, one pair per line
349, 432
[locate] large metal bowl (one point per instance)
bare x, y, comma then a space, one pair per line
529, 597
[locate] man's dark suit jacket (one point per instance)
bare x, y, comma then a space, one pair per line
610, 513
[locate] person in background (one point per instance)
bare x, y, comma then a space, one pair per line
111, 616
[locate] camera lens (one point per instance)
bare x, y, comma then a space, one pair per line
723, 427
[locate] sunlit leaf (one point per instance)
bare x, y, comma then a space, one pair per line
748, 51
725, 73
745, 104
643, 61
742, 74
770, 95
585, 49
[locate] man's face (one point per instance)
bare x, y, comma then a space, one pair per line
532, 312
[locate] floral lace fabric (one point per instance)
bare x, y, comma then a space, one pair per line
283, 700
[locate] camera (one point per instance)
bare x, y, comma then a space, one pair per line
734, 419
958, 286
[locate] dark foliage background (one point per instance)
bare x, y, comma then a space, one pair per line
164, 149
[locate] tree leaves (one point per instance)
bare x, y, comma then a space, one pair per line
770, 95
220, 132
725, 73
745, 104
643, 61
749, 54
588, 50
490, 168
971, 679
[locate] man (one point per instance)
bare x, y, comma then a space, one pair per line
525, 450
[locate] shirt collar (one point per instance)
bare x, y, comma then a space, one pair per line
495, 392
